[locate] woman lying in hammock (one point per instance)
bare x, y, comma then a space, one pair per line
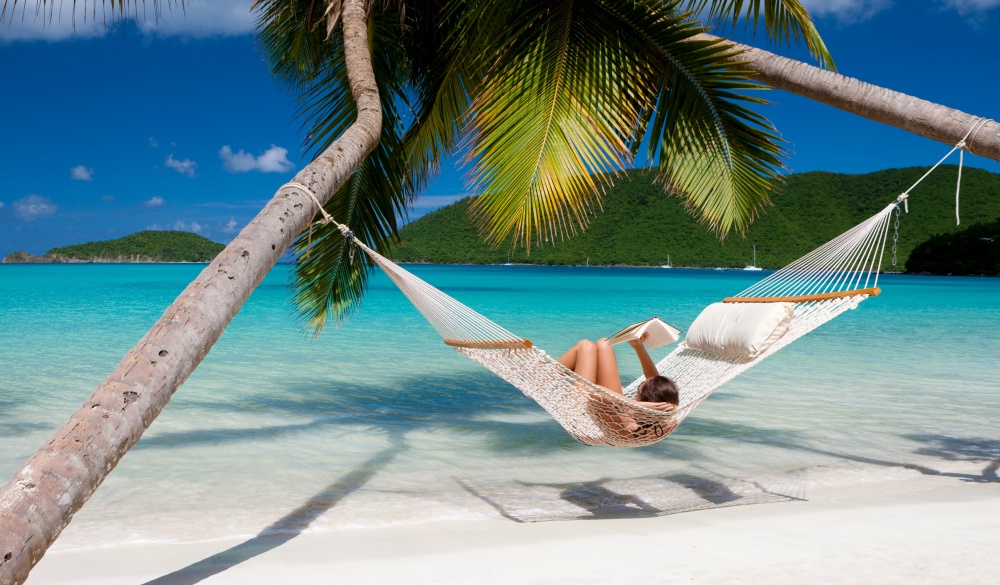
596, 363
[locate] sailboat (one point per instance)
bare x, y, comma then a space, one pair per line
667, 265
754, 266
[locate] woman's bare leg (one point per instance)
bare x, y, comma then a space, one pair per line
607, 367
582, 359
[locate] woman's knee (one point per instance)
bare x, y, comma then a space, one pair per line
602, 343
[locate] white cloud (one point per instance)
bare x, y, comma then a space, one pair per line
274, 160
33, 207
156, 201
201, 19
180, 225
81, 173
965, 7
184, 167
153, 142
1, 204
107, 198
846, 10
230, 227
87, 18
55, 22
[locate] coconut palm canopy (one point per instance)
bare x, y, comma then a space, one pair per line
544, 99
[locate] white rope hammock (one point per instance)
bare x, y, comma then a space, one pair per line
821, 285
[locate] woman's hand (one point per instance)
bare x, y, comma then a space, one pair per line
637, 343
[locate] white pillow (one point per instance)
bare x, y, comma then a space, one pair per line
739, 329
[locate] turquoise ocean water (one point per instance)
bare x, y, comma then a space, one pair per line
378, 424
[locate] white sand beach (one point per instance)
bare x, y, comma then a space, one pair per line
924, 529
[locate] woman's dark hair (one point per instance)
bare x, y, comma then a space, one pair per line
658, 389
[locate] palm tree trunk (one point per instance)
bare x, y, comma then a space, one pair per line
906, 112
52, 485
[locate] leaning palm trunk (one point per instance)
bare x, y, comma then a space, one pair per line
902, 111
53, 484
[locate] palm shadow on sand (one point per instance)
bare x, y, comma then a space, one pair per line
287, 527
433, 403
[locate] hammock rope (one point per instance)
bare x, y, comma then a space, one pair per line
821, 285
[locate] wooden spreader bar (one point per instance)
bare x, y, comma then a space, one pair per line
497, 344
872, 292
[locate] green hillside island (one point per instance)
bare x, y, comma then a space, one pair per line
641, 225
144, 246
974, 250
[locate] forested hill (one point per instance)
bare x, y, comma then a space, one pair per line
144, 246
642, 225
974, 250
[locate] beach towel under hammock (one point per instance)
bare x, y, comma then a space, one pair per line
819, 286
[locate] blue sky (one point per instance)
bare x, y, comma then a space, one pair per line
176, 124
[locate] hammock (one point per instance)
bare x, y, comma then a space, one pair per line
826, 282
821, 285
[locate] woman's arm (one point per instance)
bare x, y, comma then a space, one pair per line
648, 367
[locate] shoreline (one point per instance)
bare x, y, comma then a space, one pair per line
929, 529
514, 264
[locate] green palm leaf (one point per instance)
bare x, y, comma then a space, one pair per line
709, 147
552, 117
424, 101
784, 21
329, 279
442, 78
581, 85
553, 97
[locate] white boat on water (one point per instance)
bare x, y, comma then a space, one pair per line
667, 265
754, 266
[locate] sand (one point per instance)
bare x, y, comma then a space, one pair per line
923, 530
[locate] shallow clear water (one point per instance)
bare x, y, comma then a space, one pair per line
378, 423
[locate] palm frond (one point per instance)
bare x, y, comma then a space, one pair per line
783, 20
442, 77
551, 119
112, 13
710, 148
329, 281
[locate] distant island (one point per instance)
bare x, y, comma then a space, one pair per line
974, 250
643, 226
144, 246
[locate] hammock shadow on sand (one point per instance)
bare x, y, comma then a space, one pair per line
287, 527
643, 497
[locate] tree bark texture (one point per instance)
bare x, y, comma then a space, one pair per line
900, 110
51, 486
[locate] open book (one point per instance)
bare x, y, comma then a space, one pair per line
660, 333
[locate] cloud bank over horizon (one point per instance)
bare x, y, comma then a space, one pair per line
86, 19
201, 19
